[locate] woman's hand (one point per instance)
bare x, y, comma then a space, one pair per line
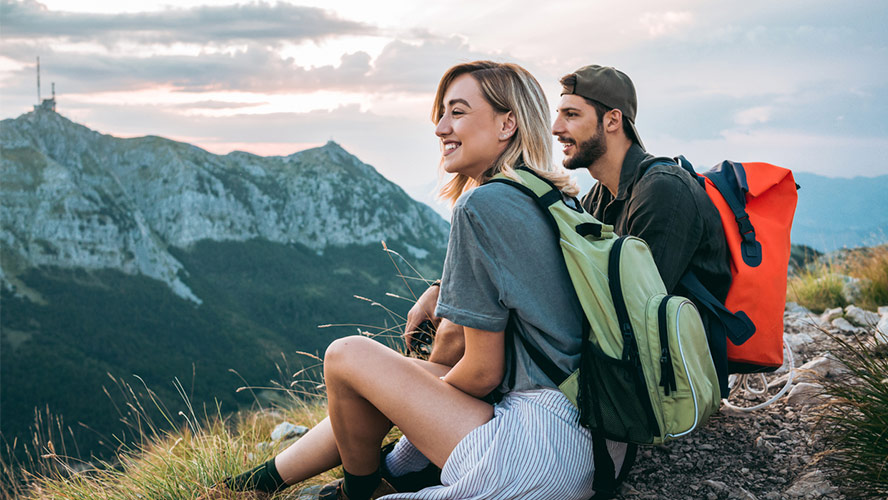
423, 309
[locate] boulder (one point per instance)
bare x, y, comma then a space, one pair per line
793, 308
798, 342
819, 368
830, 314
881, 333
861, 317
883, 310
845, 326
811, 485
805, 393
850, 289
286, 430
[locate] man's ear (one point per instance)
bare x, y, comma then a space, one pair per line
509, 126
613, 121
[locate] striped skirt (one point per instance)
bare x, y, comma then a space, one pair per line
532, 448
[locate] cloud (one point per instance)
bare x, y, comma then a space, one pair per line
270, 23
400, 67
215, 104
665, 23
751, 116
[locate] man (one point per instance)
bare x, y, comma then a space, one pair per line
639, 194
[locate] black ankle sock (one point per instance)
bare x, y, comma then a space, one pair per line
360, 487
264, 477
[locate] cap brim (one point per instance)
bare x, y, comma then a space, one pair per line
635, 133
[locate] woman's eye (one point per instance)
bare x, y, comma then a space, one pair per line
456, 112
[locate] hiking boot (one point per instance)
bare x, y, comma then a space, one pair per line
430, 475
333, 491
221, 491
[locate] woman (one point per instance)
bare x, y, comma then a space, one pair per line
503, 267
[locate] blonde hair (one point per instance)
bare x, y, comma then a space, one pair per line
508, 87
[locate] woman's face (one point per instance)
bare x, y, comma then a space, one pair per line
473, 134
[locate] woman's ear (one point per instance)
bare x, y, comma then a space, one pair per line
509, 126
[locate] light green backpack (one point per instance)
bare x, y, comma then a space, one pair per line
646, 375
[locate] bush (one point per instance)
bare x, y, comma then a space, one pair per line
872, 269
817, 287
854, 421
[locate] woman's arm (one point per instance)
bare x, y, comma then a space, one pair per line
483, 365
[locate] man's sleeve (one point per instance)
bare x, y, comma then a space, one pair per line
662, 211
471, 285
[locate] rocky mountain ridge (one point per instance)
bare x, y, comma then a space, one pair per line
75, 198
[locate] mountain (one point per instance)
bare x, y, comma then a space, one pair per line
839, 212
832, 213
155, 258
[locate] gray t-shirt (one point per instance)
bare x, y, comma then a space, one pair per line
503, 259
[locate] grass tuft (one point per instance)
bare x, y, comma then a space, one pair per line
854, 421
817, 287
821, 285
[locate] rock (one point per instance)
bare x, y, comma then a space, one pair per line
850, 289
805, 393
861, 317
264, 446
810, 485
286, 430
716, 485
830, 314
799, 323
883, 310
793, 308
845, 326
310, 493
881, 332
818, 368
798, 342
764, 445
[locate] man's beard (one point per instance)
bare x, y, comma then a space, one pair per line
588, 151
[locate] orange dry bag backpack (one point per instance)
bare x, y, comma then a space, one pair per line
756, 202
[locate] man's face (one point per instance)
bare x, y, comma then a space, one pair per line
580, 131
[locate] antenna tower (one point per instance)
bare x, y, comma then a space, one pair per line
38, 80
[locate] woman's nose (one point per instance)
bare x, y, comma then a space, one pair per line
443, 127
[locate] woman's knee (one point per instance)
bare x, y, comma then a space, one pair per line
341, 350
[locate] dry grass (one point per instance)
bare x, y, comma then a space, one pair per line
177, 459
820, 286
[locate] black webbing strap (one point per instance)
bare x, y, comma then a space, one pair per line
604, 480
730, 180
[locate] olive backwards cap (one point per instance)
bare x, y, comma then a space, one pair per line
610, 87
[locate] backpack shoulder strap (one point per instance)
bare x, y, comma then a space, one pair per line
730, 180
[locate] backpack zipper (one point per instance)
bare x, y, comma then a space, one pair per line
667, 372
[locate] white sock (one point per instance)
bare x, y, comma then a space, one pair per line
405, 458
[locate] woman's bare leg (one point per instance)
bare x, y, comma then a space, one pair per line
316, 451
370, 386
312, 454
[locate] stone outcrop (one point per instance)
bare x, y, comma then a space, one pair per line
75, 198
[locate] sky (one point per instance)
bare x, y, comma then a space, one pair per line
801, 84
